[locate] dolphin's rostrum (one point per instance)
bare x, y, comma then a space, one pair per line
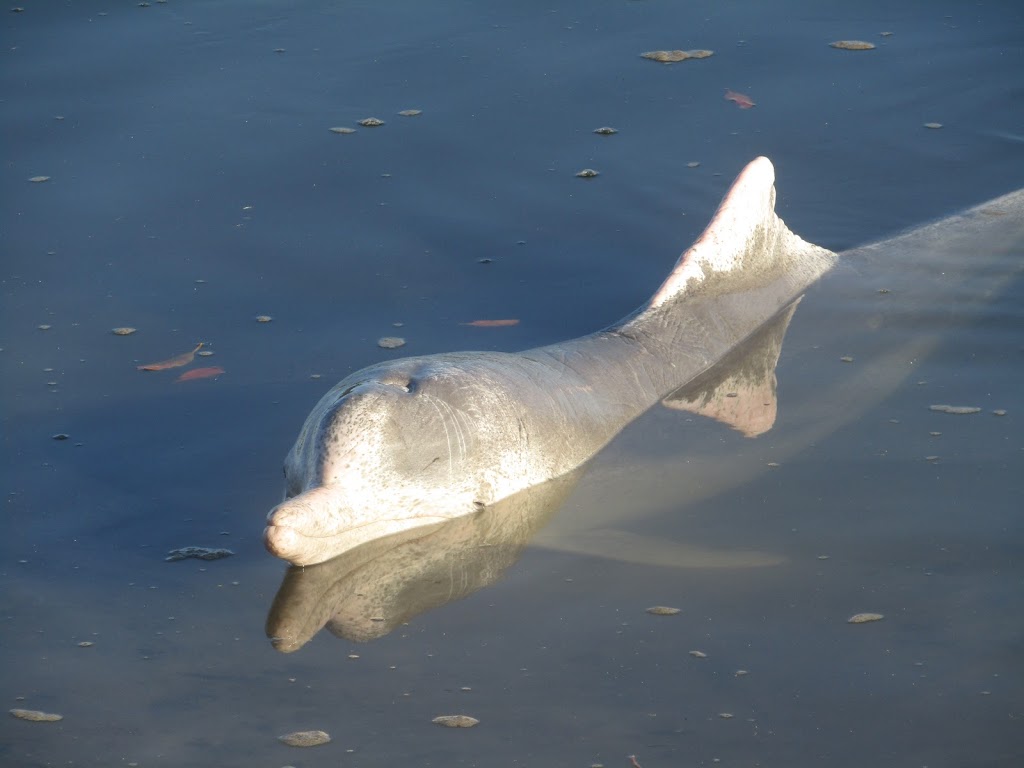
415, 441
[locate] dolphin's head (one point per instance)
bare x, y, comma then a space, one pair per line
382, 452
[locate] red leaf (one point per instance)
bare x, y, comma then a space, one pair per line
741, 99
201, 373
492, 323
174, 362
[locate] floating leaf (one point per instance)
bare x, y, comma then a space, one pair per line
370, 122
201, 373
864, 618
263, 318
956, 409
390, 342
174, 362
123, 331
852, 45
662, 610
492, 323
305, 738
670, 57
455, 721
36, 716
741, 99
199, 553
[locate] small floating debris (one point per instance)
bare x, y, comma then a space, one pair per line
204, 353
411, 112
853, 45
280, 50
864, 618
605, 130
726, 715
305, 738
662, 610
201, 373
772, 464
371, 122
741, 100
44, 327
175, 362
955, 409
670, 57
698, 654
492, 323
263, 318
885, 34
693, 164
123, 331
35, 716
455, 721
39, 179
934, 434
391, 342
846, 359
999, 412
587, 173
60, 436
341, 129
741, 673
86, 644
199, 553
933, 126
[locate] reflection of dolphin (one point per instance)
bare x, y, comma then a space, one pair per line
366, 592
415, 441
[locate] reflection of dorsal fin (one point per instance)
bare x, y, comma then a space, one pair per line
740, 389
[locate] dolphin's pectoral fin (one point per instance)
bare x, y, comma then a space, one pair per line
740, 390
649, 550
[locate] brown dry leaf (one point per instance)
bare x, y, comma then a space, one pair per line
492, 323
201, 373
741, 99
852, 45
670, 57
36, 716
455, 721
174, 362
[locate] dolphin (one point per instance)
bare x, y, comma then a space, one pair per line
420, 440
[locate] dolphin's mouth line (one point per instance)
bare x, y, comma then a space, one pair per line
424, 519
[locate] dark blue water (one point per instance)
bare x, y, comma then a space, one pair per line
189, 148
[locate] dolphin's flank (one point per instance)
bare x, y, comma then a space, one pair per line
415, 441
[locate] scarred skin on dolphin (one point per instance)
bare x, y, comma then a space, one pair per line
415, 441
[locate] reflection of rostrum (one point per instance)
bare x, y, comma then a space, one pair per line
367, 592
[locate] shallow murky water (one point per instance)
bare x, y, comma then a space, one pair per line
195, 184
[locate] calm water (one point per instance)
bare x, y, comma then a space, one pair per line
189, 148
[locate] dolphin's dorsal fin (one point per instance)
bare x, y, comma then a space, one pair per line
745, 243
740, 390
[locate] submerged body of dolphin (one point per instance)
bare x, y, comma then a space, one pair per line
415, 441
